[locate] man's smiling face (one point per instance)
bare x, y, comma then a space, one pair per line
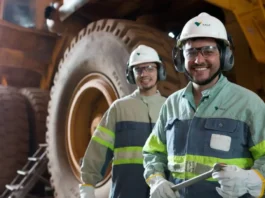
202, 60
146, 76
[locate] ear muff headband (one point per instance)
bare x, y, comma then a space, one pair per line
178, 58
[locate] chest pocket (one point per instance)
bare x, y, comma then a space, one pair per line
221, 138
176, 134
221, 125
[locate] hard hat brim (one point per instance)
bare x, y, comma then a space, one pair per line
181, 40
145, 61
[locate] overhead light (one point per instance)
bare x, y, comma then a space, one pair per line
171, 34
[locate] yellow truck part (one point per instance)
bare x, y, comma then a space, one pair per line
250, 15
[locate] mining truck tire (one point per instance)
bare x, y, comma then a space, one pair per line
37, 108
13, 134
90, 76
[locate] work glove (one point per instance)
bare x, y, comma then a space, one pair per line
161, 188
236, 182
86, 191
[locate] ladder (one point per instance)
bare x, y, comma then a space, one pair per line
27, 177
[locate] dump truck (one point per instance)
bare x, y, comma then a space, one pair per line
59, 76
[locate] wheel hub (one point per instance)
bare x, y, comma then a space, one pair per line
91, 98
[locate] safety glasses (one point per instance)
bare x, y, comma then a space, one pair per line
149, 69
206, 51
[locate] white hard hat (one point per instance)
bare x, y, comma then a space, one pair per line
203, 25
143, 54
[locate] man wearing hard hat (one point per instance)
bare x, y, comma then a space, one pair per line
210, 121
124, 129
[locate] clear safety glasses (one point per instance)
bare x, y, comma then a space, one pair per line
149, 69
206, 51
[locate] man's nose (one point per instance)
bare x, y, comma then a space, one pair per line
143, 72
199, 58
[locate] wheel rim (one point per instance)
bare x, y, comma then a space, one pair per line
91, 98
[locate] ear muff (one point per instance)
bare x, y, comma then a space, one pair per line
227, 57
129, 75
178, 58
161, 73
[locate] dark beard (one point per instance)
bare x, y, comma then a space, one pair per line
205, 82
148, 88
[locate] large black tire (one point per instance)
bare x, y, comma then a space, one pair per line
13, 134
37, 108
103, 48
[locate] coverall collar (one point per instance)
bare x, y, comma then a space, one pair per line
211, 92
137, 94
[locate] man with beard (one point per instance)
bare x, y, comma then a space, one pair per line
124, 129
210, 121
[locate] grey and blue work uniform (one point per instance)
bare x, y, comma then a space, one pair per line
120, 137
227, 126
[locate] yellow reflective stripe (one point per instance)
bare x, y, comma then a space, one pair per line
263, 183
210, 161
128, 161
103, 142
152, 176
129, 148
154, 145
87, 185
258, 150
105, 130
128, 155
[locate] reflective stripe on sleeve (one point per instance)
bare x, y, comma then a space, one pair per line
154, 145
258, 150
104, 137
